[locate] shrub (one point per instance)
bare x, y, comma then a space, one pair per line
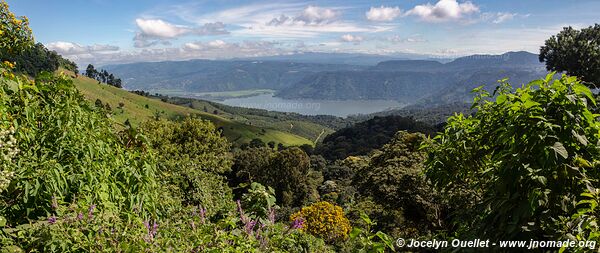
323, 220
68, 152
522, 162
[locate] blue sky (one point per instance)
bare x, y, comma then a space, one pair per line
115, 31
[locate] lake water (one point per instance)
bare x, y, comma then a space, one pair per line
313, 107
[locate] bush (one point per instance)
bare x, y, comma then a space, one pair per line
68, 153
323, 220
522, 162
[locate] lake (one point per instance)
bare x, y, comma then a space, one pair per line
313, 107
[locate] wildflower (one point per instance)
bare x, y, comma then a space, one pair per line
54, 202
52, 219
203, 214
298, 223
249, 226
151, 231
91, 211
272, 215
80, 216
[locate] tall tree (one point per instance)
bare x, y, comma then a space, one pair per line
576, 52
90, 71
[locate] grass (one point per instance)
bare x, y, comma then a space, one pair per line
138, 109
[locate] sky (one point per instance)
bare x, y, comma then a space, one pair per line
119, 31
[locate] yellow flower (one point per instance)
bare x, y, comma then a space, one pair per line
324, 220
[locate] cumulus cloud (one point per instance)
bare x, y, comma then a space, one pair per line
69, 48
311, 15
157, 31
351, 38
383, 13
443, 10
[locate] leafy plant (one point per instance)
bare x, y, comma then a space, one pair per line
364, 240
521, 161
259, 201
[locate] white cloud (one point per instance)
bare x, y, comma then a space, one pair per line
383, 13
217, 44
417, 38
503, 16
69, 48
277, 20
443, 10
155, 31
351, 38
159, 28
317, 15
311, 15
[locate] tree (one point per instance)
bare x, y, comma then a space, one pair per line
99, 103
256, 143
520, 165
287, 171
91, 72
577, 52
394, 179
192, 159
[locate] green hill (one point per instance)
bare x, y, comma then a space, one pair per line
138, 109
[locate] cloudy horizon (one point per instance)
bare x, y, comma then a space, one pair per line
108, 31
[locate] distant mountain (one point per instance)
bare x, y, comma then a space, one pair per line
208, 75
410, 81
346, 58
407, 87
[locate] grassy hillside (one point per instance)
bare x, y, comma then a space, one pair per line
138, 109
311, 127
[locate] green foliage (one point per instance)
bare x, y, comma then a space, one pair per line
259, 202
364, 137
287, 171
192, 155
395, 179
183, 231
577, 52
364, 240
35, 59
521, 162
87, 163
15, 34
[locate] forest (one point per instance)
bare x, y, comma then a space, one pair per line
521, 164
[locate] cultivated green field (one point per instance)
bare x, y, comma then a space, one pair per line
138, 109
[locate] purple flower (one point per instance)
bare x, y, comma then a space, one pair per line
272, 215
91, 211
155, 228
203, 214
54, 202
52, 219
298, 223
152, 231
249, 226
80, 216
